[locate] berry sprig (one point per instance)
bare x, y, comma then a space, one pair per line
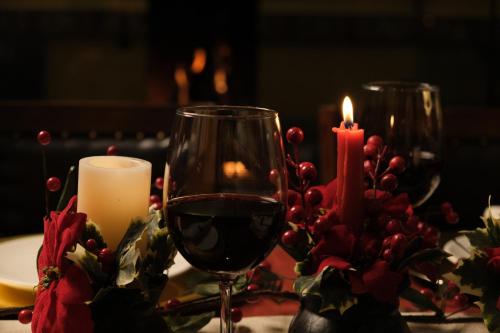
303, 201
52, 184
381, 168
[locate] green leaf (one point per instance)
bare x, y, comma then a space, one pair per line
472, 271
92, 231
87, 261
128, 254
126, 311
420, 300
490, 313
157, 255
434, 255
188, 324
478, 238
330, 286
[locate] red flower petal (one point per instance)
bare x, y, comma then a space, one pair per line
339, 241
382, 283
397, 206
493, 252
329, 192
334, 262
74, 287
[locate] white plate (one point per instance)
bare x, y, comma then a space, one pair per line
18, 262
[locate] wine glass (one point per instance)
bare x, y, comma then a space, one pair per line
225, 190
408, 116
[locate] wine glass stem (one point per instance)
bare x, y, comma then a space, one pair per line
225, 306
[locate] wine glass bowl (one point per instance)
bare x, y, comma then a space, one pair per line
225, 189
408, 116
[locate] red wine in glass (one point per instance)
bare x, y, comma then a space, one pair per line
225, 233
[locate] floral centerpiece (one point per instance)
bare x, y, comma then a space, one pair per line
479, 274
351, 280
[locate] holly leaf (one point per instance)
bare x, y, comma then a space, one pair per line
128, 254
478, 238
330, 286
472, 271
88, 262
420, 300
126, 311
188, 324
92, 231
433, 255
159, 256
491, 314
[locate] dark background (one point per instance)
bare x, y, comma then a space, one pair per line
293, 56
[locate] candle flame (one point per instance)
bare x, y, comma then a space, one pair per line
347, 110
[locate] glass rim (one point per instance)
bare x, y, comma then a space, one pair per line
399, 86
215, 111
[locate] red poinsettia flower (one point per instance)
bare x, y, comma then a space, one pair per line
335, 247
381, 282
494, 259
382, 202
63, 288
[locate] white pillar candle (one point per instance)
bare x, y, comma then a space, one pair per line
113, 190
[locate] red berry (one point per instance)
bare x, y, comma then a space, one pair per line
157, 205
368, 167
265, 265
388, 255
172, 303
159, 183
44, 138
253, 287
294, 135
290, 238
293, 198
427, 293
307, 171
387, 242
154, 198
375, 140
106, 256
24, 316
393, 227
398, 164
452, 218
274, 176
431, 235
412, 223
460, 300
370, 150
112, 150
236, 315
389, 182
53, 184
296, 213
421, 227
313, 196
91, 244
321, 225
446, 208
398, 244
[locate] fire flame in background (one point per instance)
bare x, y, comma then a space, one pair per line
199, 61
235, 169
181, 79
220, 81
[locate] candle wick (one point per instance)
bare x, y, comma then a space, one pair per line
348, 124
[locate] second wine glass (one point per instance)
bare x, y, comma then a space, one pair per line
408, 116
225, 190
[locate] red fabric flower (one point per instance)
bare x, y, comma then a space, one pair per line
63, 288
337, 244
494, 258
382, 283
